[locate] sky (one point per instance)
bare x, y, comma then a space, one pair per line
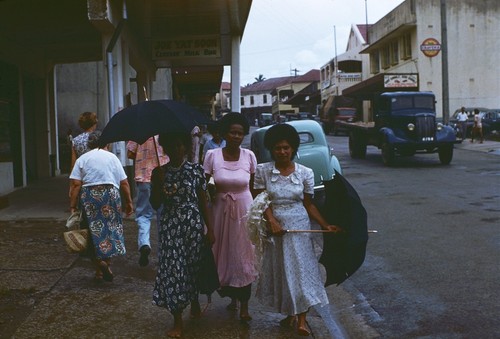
282, 35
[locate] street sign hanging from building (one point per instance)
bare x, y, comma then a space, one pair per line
207, 46
430, 47
400, 80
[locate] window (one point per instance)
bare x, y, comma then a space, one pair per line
305, 137
251, 101
406, 47
375, 62
242, 101
386, 57
394, 53
264, 98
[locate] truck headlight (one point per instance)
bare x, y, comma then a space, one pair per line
439, 126
411, 127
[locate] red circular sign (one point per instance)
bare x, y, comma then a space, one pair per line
430, 47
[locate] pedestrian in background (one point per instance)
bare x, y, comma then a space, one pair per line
232, 169
290, 281
216, 140
88, 122
462, 122
180, 187
478, 127
194, 156
96, 181
146, 157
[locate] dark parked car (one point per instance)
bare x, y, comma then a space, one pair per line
470, 121
491, 121
265, 119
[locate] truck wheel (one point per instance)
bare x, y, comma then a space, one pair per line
387, 154
445, 154
357, 146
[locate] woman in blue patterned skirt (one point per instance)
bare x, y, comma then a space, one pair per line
96, 181
180, 187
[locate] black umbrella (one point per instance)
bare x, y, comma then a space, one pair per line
141, 121
343, 253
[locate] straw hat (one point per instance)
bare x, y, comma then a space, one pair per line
76, 240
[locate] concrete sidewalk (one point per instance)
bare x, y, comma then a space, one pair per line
47, 293
488, 146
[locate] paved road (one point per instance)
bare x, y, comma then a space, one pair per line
432, 270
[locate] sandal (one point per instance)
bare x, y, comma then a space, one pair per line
107, 275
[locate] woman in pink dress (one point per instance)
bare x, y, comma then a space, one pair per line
232, 169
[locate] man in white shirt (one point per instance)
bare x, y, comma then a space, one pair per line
462, 121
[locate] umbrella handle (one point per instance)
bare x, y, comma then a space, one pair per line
320, 231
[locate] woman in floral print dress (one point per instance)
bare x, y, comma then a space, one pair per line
180, 187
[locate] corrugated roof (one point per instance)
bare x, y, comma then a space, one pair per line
311, 76
363, 29
267, 85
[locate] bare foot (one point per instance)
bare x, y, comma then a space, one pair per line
244, 316
302, 325
175, 333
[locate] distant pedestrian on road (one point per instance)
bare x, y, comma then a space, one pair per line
462, 121
232, 168
478, 127
96, 181
290, 280
87, 122
180, 187
146, 157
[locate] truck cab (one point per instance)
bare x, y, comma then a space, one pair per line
404, 123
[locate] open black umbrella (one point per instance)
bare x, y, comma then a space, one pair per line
141, 121
343, 253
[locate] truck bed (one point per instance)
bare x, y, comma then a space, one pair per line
359, 125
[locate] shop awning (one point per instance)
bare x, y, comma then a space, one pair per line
383, 82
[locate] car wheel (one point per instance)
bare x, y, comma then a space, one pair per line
387, 154
445, 154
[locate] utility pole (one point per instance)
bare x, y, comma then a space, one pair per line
336, 66
366, 21
444, 64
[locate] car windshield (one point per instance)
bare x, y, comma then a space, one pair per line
412, 102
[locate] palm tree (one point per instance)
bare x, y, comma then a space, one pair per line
260, 78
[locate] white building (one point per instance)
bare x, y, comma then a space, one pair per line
451, 50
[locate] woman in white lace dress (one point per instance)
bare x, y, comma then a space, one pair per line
290, 280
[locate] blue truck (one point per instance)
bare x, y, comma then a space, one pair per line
404, 123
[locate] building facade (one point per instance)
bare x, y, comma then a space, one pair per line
448, 47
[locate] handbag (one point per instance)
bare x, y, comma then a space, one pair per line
207, 279
74, 220
76, 240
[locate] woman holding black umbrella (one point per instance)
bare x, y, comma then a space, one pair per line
180, 187
290, 279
